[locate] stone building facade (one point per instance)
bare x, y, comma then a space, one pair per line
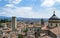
53, 21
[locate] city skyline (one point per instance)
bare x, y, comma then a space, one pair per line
29, 8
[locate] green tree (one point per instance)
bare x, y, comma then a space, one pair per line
5, 20
0, 24
26, 30
20, 36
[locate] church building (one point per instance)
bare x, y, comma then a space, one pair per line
53, 21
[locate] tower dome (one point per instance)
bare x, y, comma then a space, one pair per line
54, 17
53, 21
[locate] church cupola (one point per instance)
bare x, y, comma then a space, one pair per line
53, 21
54, 17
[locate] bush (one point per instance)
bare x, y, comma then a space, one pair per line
26, 30
20, 36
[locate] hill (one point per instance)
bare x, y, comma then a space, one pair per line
24, 19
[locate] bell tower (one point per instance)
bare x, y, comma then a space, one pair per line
14, 24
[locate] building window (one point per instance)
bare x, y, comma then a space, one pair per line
56, 25
30, 29
51, 24
59, 24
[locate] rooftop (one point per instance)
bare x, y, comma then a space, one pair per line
54, 17
56, 30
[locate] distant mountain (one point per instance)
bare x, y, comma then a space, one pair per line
31, 19
4, 17
24, 19
28, 19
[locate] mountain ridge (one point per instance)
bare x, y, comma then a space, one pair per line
24, 19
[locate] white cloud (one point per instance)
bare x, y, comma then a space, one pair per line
14, 1
49, 8
57, 1
28, 13
48, 3
9, 5
20, 12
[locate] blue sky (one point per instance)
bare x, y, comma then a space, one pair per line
29, 8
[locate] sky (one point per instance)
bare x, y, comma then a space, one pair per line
29, 8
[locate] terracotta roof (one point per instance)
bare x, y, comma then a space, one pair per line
7, 29
18, 28
23, 33
31, 36
13, 35
45, 36
56, 30
6, 34
45, 27
31, 26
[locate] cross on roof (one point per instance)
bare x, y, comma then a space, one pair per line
54, 12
